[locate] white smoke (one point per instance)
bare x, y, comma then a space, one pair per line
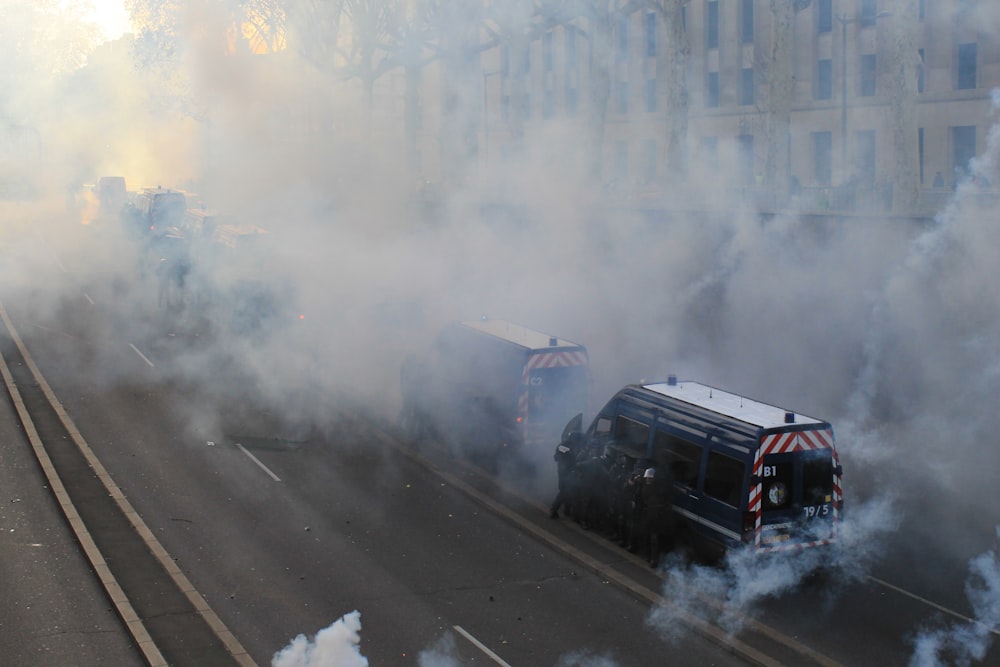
442, 653
966, 643
730, 594
334, 646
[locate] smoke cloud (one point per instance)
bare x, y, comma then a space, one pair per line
886, 328
334, 646
966, 643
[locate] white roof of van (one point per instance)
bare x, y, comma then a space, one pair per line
731, 405
517, 334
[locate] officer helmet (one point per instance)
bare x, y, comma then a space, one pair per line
649, 474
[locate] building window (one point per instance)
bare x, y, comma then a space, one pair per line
869, 12
963, 146
527, 106
548, 103
547, 51
966, 78
621, 95
571, 101
744, 144
650, 35
570, 50
712, 24
746, 86
823, 157
824, 15
865, 162
922, 9
867, 75
824, 79
651, 95
623, 39
920, 153
649, 161
527, 60
712, 90
621, 160
505, 60
920, 70
710, 152
746, 21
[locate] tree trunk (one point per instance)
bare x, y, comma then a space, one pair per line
677, 51
601, 56
777, 72
901, 76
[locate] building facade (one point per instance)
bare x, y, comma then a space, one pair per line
850, 117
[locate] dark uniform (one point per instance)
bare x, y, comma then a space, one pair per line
565, 458
657, 491
619, 498
636, 520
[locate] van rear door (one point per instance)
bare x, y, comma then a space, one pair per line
797, 498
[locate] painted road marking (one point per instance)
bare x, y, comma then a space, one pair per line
482, 647
930, 603
141, 355
257, 461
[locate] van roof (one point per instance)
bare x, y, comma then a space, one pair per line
518, 334
730, 405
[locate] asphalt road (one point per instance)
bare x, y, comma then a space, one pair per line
285, 530
53, 610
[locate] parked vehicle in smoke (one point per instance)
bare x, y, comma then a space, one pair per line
745, 473
490, 388
230, 285
153, 212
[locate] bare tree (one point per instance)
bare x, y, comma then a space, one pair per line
902, 79
677, 53
596, 21
778, 74
455, 31
314, 30
511, 26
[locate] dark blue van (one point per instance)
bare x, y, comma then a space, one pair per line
745, 473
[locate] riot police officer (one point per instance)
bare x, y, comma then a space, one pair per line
565, 457
657, 490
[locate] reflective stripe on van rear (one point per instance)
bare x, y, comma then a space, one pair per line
783, 443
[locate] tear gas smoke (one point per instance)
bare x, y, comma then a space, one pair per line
334, 646
966, 643
884, 328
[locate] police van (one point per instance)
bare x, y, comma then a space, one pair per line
745, 473
490, 386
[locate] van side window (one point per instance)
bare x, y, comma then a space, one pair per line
603, 426
724, 478
631, 435
680, 457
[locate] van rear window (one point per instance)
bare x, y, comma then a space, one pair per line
817, 479
724, 478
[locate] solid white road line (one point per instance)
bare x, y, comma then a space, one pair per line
141, 355
257, 461
935, 605
482, 647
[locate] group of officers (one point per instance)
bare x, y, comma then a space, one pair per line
605, 490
